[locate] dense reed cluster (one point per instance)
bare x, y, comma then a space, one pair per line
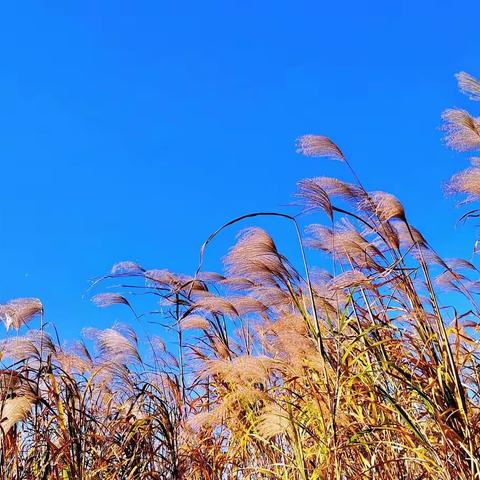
359, 368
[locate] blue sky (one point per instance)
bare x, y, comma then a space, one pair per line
131, 130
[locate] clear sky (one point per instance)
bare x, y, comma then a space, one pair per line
131, 130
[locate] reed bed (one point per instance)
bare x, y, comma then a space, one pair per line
358, 368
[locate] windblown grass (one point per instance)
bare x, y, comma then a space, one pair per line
358, 371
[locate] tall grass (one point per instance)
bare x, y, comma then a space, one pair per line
361, 370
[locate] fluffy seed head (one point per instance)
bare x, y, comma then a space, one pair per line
469, 85
194, 322
319, 146
256, 258
126, 268
115, 344
384, 205
314, 196
107, 299
463, 130
20, 311
466, 182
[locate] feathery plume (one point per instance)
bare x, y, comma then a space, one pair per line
468, 85
113, 344
334, 187
20, 311
383, 205
274, 298
72, 362
273, 420
164, 279
210, 277
28, 346
14, 410
319, 146
194, 322
346, 243
107, 299
428, 255
237, 284
127, 268
242, 370
406, 232
448, 280
466, 182
157, 344
256, 258
459, 264
463, 130
245, 305
351, 279
208, 302
314, 196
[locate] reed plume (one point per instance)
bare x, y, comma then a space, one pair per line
358, 367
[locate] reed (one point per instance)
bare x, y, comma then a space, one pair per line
362, 370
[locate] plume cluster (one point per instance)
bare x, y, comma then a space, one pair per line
359, 367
